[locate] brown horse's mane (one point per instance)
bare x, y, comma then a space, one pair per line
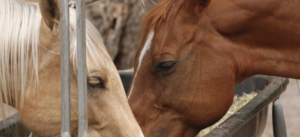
164, 10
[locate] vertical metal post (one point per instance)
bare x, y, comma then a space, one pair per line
81, 69
65, 69
279, 128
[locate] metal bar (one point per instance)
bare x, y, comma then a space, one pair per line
279, 128
65, 69
90, 1
81, 69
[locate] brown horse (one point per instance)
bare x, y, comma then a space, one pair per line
30, 73
194, 52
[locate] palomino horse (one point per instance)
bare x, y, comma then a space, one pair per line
30, 73
194, 52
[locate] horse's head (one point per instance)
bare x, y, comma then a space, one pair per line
108, 111
182, 80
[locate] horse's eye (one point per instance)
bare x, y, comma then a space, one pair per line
165, 66
96, 82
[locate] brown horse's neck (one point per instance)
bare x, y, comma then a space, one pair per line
265, 35
283, 62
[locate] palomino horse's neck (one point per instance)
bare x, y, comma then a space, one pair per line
265, 35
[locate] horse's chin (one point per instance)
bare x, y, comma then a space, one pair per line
172, 130
168, 125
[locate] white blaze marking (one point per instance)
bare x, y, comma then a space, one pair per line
141, 133
144, 51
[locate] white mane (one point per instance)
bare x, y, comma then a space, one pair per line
19, 45
19, 38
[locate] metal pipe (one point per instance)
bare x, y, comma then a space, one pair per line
279, 128
81, 69
65, 69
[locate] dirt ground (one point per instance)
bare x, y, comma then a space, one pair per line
290, 100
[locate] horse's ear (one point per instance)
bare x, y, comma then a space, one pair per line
50, 12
